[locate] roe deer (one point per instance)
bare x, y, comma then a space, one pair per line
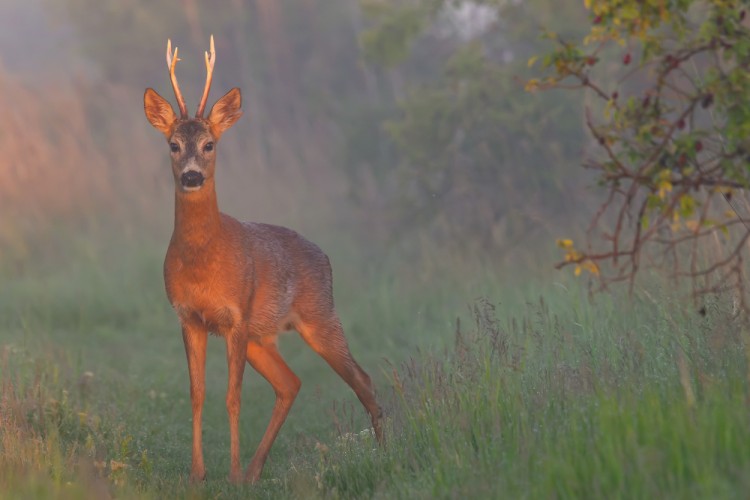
246, 282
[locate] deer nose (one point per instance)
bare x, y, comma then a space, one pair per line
192, 178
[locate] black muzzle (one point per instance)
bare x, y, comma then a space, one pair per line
192, 179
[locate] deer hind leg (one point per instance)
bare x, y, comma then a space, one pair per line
327, 339
265, 358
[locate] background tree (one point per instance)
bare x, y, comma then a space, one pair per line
469, 155
667, 92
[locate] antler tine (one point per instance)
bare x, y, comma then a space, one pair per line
210, 61
171, 62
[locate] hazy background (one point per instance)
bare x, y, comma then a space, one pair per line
402, 143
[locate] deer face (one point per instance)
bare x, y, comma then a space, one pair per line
193, 152
192, 142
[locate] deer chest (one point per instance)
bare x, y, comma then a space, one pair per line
211, 303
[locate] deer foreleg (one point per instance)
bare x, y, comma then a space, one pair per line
236, 347
195, 339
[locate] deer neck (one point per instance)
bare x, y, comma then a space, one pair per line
196, 217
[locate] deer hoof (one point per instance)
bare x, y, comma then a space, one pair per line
252, 477
197, 477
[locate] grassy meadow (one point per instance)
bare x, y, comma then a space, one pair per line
499, 376
494, 388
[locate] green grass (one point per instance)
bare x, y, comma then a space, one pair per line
533, 392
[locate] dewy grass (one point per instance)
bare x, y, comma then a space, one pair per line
534, 395
53, 442
536, 410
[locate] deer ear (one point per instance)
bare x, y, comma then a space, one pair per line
225, 112
159, 112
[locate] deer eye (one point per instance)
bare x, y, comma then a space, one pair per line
174, 147
208, 147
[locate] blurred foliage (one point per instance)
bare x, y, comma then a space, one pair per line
416, 107
297, 63
670, 112
284, 50
398, 25
475, 159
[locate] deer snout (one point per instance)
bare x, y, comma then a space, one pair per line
192, 179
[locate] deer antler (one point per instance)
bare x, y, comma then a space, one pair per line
171, 62
210, 60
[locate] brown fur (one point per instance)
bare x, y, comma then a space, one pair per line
245, 282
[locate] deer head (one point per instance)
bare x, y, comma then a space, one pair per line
192, 141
